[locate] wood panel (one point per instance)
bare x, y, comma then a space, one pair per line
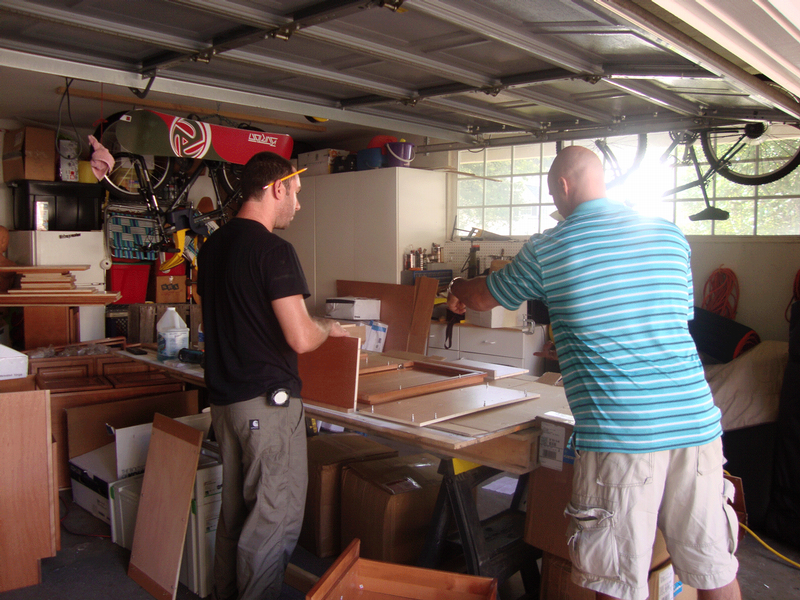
164, 506
414, 380
61, 401
134, 379
405, 309
330, 373
86, 425
72, 384
26, 504
432, 408
425, 289
20, 384
49, 326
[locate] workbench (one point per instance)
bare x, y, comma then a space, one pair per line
472, 448
503, 438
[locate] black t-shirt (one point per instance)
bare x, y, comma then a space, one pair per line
242, 268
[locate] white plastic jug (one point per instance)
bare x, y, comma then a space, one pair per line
172, 334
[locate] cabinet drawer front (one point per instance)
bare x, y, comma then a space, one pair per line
495, 360
497, 342
437, 336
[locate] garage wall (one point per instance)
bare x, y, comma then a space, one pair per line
765, 268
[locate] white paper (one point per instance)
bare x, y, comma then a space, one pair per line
551, 446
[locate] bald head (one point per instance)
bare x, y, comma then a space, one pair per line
576, 177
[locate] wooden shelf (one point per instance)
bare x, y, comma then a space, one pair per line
49, 299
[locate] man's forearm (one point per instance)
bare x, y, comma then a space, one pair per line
470, 293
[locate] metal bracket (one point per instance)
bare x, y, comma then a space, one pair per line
141, 94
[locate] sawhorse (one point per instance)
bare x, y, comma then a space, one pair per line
491, 548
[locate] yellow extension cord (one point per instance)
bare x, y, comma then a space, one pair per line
763, 543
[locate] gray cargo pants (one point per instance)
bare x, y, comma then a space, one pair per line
265, 476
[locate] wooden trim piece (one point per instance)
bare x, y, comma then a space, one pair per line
419, 378
337, 571
164, 506
425, 289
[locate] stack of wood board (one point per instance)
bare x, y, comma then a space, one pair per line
45, 282
52, 285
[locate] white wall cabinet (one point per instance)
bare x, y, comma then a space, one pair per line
512, 346
356, 225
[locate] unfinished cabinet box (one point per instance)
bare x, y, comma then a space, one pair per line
327, 455
388, 505
352, 577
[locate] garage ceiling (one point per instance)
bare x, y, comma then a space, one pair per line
460, 72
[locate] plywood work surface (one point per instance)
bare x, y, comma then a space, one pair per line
541, 399
414, 380
425, 410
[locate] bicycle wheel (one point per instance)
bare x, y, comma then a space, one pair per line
621, 155
122, 180
752, 153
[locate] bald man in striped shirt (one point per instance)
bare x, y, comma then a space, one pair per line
618, 287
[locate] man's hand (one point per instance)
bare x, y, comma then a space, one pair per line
548, 351
338, 331
471, 293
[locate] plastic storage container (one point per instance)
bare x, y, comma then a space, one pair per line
57, 206
172, 334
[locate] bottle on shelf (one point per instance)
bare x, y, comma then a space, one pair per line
172, 335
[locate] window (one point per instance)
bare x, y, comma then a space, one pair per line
509, 194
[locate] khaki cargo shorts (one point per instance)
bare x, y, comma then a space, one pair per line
618, 500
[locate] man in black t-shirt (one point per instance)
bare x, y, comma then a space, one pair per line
255, 322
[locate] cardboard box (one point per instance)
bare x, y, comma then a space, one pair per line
327, 455
497, 317
29, 153
550, 490
557, 582
319, 162
13, 364
353, 308
376, 336
92, 473
170, 289
388, 505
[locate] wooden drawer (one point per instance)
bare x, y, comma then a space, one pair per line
437, 335
494, 342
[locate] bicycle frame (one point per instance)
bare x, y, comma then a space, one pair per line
173, 218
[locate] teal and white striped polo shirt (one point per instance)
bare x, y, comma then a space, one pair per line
619, 289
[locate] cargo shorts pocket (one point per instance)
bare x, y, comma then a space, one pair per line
728, 492
592, 543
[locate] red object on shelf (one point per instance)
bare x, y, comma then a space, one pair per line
131, 280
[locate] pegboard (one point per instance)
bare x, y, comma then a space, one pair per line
455, 254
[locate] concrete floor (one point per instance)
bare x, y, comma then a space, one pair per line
93, 568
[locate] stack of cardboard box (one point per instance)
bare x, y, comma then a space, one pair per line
549, 492
327, 456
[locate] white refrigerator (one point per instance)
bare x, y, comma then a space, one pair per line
39, 248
